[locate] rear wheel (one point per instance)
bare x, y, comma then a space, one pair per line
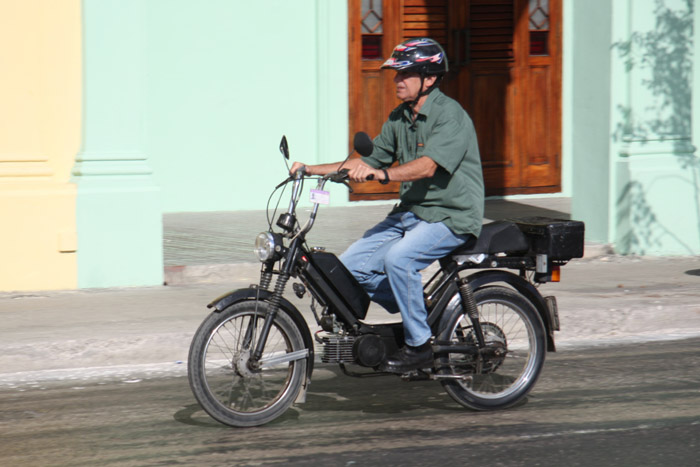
515, 345
224, 380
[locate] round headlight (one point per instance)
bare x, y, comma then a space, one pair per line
264, 246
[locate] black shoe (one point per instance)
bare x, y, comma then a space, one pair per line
409, 358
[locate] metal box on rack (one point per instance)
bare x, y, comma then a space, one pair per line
559, 239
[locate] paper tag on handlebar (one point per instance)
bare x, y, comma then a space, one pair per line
320, 196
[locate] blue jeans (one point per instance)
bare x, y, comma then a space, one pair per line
387, 261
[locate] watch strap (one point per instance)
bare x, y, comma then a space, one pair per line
386, 177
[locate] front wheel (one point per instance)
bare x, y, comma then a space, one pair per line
501, 374
228, 385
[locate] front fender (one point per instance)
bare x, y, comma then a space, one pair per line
483, 278
252, 293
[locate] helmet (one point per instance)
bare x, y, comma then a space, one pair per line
423, 55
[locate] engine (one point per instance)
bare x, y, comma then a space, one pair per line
367, 350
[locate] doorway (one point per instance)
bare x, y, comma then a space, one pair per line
505, 70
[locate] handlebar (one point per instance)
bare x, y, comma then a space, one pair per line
337, 177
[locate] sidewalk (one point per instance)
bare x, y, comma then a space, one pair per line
204, 247
127, 334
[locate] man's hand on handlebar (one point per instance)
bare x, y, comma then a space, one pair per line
363, 172
296, 166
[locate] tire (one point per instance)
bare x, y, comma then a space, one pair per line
512, 326
222, 382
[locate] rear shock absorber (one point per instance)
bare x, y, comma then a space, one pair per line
470, 309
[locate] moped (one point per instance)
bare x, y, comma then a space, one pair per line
254, 355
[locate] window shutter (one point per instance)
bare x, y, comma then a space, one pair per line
425, 18
491, 29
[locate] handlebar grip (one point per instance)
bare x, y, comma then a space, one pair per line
299, 173
343, 175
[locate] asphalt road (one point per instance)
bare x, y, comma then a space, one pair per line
626, 405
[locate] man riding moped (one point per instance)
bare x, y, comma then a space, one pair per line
429, 145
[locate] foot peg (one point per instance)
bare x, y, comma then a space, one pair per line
420, 375
416, 375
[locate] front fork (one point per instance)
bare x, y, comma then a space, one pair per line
273, 308
275, 299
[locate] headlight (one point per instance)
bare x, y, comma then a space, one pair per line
266, 245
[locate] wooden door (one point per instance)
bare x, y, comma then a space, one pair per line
505, 69
374, 30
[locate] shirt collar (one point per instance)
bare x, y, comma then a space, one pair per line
425, 108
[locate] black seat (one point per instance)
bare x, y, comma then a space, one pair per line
496, 237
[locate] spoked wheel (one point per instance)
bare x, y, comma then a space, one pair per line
507, 368
228, 384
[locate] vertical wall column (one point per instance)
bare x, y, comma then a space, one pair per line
331, 89
694, 162
589, 114
332, 75
118, 207
656, 190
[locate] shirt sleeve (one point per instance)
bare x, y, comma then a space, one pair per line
384, 152
447, 143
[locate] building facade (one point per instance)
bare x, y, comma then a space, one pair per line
117, 111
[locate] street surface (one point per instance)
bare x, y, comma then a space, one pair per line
633, 405
97, 377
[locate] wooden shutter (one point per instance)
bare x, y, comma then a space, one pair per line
425, 18
491, 30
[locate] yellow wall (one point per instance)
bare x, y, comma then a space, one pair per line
40, 124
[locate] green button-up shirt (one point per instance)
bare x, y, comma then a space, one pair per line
443, 132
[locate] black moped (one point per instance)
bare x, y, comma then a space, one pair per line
254, 355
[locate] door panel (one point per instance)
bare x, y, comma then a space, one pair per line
537, 109
491, 103
491, 73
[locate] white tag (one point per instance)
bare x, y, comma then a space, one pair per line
320, 196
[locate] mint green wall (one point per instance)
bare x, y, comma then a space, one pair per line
635, 172
226, 79
184, 104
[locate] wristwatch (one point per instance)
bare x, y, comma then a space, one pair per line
386, 177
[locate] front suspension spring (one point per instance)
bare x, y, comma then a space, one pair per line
276, 298
265, 280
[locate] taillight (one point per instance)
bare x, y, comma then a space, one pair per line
555, 273
552, 275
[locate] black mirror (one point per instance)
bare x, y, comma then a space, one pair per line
363, 144
284, 147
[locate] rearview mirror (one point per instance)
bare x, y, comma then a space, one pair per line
284, 147
363, 144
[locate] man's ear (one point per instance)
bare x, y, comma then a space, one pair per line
429, 81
